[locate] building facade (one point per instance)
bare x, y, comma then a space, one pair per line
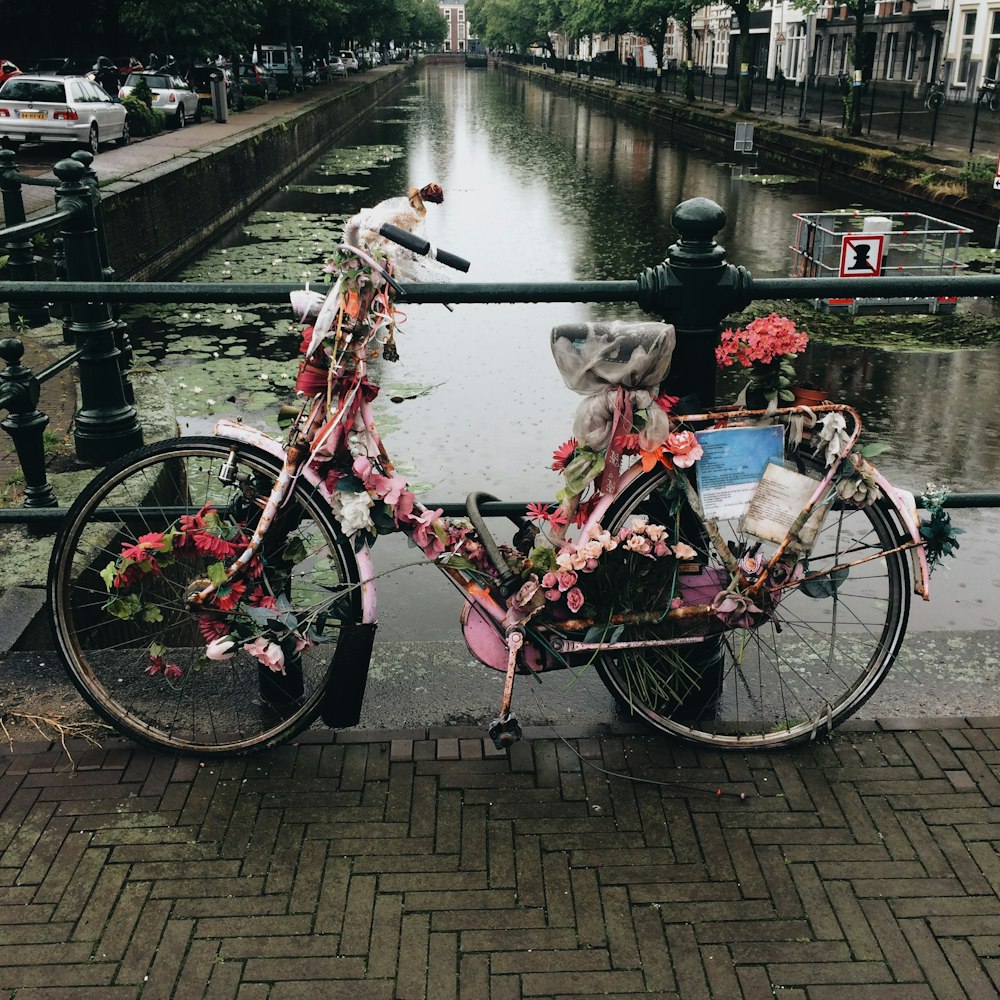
454, 13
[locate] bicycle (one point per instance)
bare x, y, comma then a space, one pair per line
989, 94
935, 95
214, 595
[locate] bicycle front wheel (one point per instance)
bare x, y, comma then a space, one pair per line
935, 100
146, 672
820, 653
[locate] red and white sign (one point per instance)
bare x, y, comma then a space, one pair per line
861, 255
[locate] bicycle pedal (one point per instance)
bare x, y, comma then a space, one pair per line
505, 731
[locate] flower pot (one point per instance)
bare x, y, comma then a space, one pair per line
808, 397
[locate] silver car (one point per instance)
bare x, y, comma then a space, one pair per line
60, 109
171, 95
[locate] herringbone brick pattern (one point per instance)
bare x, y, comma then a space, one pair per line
425, 865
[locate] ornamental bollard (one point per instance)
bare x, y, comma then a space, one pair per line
20, 251
695, 289
19, 390
106, 425
122, 340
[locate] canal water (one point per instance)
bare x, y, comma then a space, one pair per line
541, 186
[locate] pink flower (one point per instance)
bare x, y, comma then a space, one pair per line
684, 551
550, 581
553, 595
684, 448
735, 610
155, 665
424, 534
660, 549
528, 597
567, 579
171, 671
574, 599
268, 653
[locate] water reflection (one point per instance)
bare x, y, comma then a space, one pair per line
540, 186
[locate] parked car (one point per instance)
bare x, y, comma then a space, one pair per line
275, 57
126, 65
337, 67
200, 78
259, 81
50, 66
171, 95
350, 60
60, 109
100, 69
7, 69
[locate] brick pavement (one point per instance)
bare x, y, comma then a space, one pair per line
424, 864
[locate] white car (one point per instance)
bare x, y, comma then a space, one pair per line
337, 67
350, 60
60, 109
171, 95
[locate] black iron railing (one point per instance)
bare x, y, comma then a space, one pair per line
694, 288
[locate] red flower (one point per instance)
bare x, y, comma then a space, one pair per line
562, 454
228, 595
212, 628
629, 443
212, 545
666, 403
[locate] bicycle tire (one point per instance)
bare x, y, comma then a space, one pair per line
215, 708
811, 664
935, 100
994, 101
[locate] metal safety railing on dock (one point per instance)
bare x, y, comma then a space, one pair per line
694, 288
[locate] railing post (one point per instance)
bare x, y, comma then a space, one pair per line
695, 288
21, 253
106, 424
122, 340
25, 424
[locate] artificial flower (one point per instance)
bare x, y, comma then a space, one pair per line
684, 448
266, 652
562, 454
221, 649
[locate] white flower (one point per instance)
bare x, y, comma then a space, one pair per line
196, 389
354, 511
831, 437
210, 402
221, 649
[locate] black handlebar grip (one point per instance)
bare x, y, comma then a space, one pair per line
459, 263
405, 239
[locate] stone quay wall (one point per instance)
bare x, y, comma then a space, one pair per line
158, 218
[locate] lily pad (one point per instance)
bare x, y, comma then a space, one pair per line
358, 159
326, 189
769, 180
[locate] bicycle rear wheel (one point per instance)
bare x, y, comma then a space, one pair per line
821, 653
199, 706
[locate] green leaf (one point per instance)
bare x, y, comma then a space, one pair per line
125, 608
875, 448
108, 574
151, 613
217, 573
294, 551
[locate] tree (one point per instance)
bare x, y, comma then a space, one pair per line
191, 29
742, 9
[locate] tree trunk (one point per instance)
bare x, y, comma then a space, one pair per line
854, 108
743, 94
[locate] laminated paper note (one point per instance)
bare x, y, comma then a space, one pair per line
779, 499
734, 459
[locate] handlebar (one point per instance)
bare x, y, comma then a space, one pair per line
423, 247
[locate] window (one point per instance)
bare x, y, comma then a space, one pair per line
910, 56
461, 15
992, 70
965, 46
889, 64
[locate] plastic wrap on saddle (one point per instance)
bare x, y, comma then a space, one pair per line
596, 359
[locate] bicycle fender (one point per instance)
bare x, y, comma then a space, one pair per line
233, 430
905, 507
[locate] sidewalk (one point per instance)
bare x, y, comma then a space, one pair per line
423, 864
